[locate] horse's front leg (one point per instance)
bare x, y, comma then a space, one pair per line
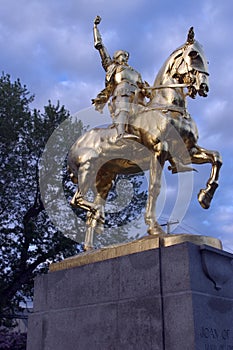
94, 219
156, 167
202, 156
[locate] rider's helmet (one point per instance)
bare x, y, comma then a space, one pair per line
120, 52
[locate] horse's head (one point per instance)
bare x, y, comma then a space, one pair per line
191, 67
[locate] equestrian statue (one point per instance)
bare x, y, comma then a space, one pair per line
151, 126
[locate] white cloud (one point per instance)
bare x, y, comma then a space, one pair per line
225, 213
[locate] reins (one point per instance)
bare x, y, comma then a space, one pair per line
168, 86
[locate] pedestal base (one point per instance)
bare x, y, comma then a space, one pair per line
145, 243
178, 297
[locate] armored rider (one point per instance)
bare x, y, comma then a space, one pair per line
123, 86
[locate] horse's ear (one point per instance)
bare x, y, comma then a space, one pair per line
190, 37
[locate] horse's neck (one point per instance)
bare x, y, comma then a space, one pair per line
166, 93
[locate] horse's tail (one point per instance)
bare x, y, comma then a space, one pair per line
73, 178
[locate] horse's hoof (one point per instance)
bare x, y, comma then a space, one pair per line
205, 196
204, 199
87, 248
99, 229
155, 230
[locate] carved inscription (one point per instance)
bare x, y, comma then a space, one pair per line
216, 339
213, 333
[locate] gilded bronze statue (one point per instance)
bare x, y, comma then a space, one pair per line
164, 132
124, 86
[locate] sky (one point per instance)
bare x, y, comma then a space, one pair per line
48, 44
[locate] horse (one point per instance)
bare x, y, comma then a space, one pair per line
165, 132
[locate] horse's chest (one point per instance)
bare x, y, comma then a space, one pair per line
185, 127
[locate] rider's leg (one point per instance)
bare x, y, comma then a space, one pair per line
120, 122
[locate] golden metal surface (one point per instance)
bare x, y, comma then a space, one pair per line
159, 130
140, 245
173, 239
122, 84
145, 243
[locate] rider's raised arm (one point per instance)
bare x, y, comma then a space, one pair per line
98, 43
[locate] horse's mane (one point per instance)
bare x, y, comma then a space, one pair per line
168, 64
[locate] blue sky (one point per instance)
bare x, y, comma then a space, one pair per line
49, 46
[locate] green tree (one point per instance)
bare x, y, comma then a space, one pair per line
28, 239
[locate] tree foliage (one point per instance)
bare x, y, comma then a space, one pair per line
12, 340
28, 239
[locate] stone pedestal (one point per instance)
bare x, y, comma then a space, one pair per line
178, 297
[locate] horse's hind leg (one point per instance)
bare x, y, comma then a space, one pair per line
202, 156
95, 215
95, 220
104, 180
156, 168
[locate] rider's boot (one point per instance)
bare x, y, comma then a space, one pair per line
123, 135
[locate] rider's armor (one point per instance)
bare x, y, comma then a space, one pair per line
125, 86
123, 83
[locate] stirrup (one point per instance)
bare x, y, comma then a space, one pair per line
127, 136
